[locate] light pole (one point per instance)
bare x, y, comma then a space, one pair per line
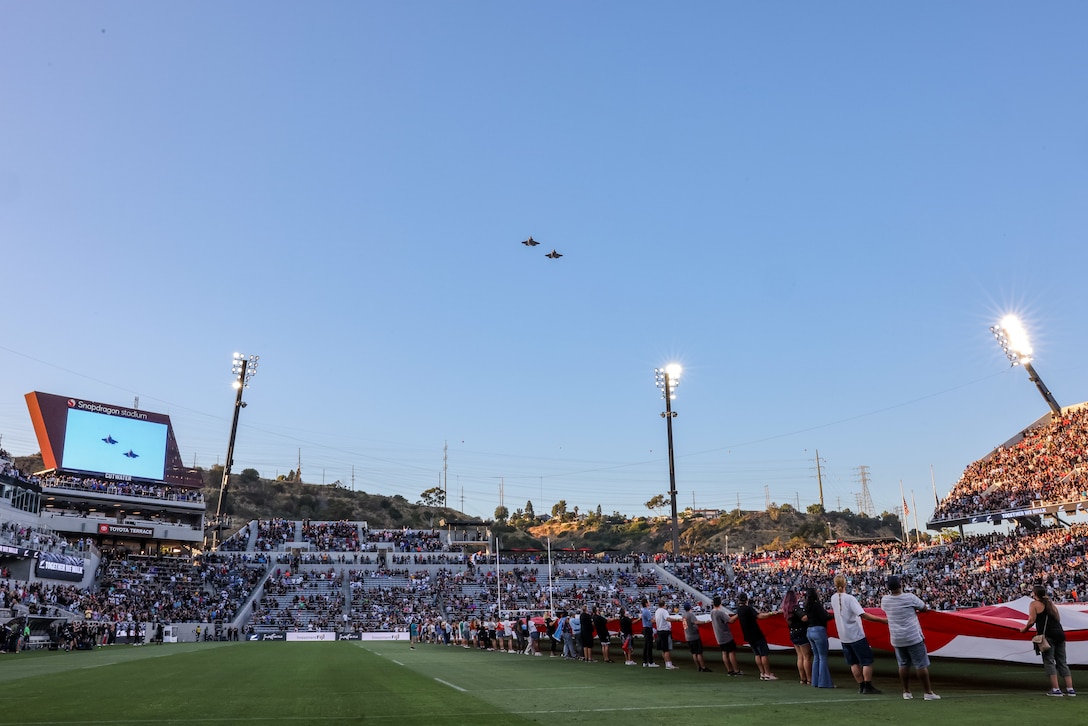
243, 369
1013, 339
667, 379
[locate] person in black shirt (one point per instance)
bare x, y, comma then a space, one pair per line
749, 618
585, 620
816, 618
601, 626
1044, 615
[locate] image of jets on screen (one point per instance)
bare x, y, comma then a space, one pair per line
102, 441
106, 440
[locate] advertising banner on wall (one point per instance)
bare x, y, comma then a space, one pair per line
59, 567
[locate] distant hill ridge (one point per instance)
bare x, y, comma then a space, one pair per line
778, 527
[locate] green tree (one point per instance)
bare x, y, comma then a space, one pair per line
656, 502
433, 497
529, 513
250, 475
501, 513
559, 509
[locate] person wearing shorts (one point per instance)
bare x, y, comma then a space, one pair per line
749, 618
694, 640
901, 609
855, 646
662, 622
720, 618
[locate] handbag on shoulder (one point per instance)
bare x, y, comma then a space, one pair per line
1041, 643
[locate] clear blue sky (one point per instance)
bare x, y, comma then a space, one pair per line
818, 209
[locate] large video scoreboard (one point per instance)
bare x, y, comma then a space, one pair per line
107, 441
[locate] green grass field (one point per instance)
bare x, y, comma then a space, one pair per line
389, 683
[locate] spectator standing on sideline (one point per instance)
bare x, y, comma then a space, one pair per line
855, 646
749, 625
691, 635
553, 634
647, 617
626, 636
720, 618
585, 621
534, 637
601, 626
1054, 664
575, 621
901, 609
793, 610
566, 632
662, 621
816, 617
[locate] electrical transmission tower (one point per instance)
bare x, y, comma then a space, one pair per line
865, 500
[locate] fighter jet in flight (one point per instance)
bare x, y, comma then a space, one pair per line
530, 242
554, 255
131, 454
109, 439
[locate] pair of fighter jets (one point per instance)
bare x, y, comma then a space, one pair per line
533, 243
130, 453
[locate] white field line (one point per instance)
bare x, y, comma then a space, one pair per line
447, 683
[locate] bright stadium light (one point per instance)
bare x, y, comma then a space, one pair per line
243, 369
1013, 339
667, 379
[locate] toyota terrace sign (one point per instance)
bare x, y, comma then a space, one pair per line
126, 529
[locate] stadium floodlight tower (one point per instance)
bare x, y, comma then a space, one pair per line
1013, 339
243, 368
667, 379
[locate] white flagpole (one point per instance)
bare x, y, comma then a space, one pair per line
551, 589
933, 479
903, 501
917, 531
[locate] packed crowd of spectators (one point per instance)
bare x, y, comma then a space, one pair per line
136, 588
38, 538
38, 598
407, 540
271, 533
9, 470
979, 570
332, 536
123, 488
360, 591
1049, 465
431, 558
